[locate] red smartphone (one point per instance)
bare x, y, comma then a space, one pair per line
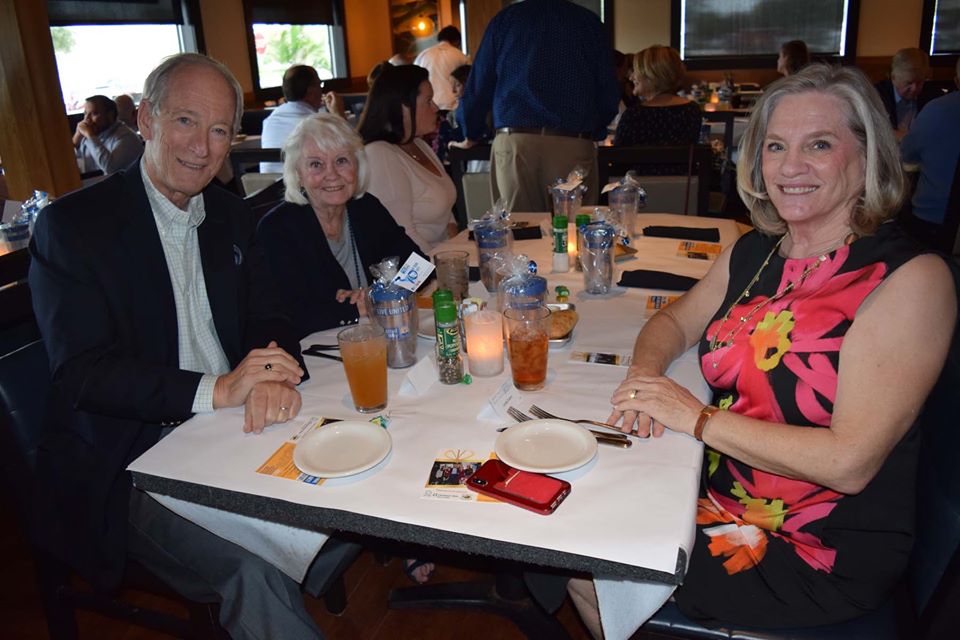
533, 491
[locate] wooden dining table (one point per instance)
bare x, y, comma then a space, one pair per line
629, 519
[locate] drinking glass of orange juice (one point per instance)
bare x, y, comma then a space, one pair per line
364, 352
527, 331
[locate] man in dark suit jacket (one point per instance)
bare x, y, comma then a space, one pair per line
904, 94
152, 300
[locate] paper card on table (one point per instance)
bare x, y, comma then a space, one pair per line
655, 303
496, 408
590, 357
413, 272
280, 463
698, 250
447, 477
420, 378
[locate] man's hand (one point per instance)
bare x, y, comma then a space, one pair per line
269, 403
82, 131
271, 364
463, 144
85, 129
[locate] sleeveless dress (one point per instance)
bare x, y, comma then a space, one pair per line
771, 551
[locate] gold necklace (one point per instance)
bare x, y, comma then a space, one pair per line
715, 342
413, 152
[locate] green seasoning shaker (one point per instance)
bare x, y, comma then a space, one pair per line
449, 360
561, 260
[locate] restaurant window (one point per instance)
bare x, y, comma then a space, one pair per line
940, 33
749, 33
106, 47
283, 33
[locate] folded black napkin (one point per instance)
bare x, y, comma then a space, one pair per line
527, 233
531, 232
645, 279
684, 233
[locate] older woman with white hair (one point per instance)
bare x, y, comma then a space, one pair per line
820, 333
321, 242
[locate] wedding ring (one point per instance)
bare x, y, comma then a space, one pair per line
268, 366
633, 394
283, 408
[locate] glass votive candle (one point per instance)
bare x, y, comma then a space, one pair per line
484, 342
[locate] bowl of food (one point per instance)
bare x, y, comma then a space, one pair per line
563, 319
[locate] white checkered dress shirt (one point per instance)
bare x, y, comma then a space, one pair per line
197, 340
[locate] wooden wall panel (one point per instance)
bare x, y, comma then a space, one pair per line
35, 140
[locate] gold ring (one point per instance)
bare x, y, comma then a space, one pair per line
633, 394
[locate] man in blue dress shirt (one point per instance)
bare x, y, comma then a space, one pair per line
545, 68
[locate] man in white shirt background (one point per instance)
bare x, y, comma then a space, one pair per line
101, 140
304, 95
439, 61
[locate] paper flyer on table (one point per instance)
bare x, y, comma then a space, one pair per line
655, 303
699, 250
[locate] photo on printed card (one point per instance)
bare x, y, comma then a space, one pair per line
447, 477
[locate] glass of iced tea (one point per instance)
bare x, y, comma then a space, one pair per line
527, 331
364, 352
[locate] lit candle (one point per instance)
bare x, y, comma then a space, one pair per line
572, 243
484, 342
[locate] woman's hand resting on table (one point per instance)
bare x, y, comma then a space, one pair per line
355, 297
654, 403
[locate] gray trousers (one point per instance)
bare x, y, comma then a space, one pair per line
257, 600
524, 163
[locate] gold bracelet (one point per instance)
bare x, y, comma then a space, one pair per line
705, 414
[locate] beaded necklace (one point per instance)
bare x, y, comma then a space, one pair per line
716, 342
355, 252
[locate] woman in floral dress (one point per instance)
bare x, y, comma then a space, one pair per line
820, 333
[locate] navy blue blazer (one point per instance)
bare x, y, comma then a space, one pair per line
104, 302
308, 275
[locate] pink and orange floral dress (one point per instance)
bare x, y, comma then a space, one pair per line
771, 551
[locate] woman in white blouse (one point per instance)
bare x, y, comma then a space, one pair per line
405, 174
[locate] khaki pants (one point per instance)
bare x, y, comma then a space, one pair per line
524, 163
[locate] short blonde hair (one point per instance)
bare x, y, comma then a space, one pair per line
883, 190
661, 66
330, 133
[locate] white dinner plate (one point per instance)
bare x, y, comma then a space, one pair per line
341, 449
546, 446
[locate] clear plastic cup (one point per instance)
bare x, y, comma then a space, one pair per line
364, 352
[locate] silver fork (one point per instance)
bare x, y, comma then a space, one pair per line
540, 413
602, 438
518, 415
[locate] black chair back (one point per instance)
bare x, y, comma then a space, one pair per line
24, 393
697, 161
251, 122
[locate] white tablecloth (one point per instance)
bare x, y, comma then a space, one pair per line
634, 506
